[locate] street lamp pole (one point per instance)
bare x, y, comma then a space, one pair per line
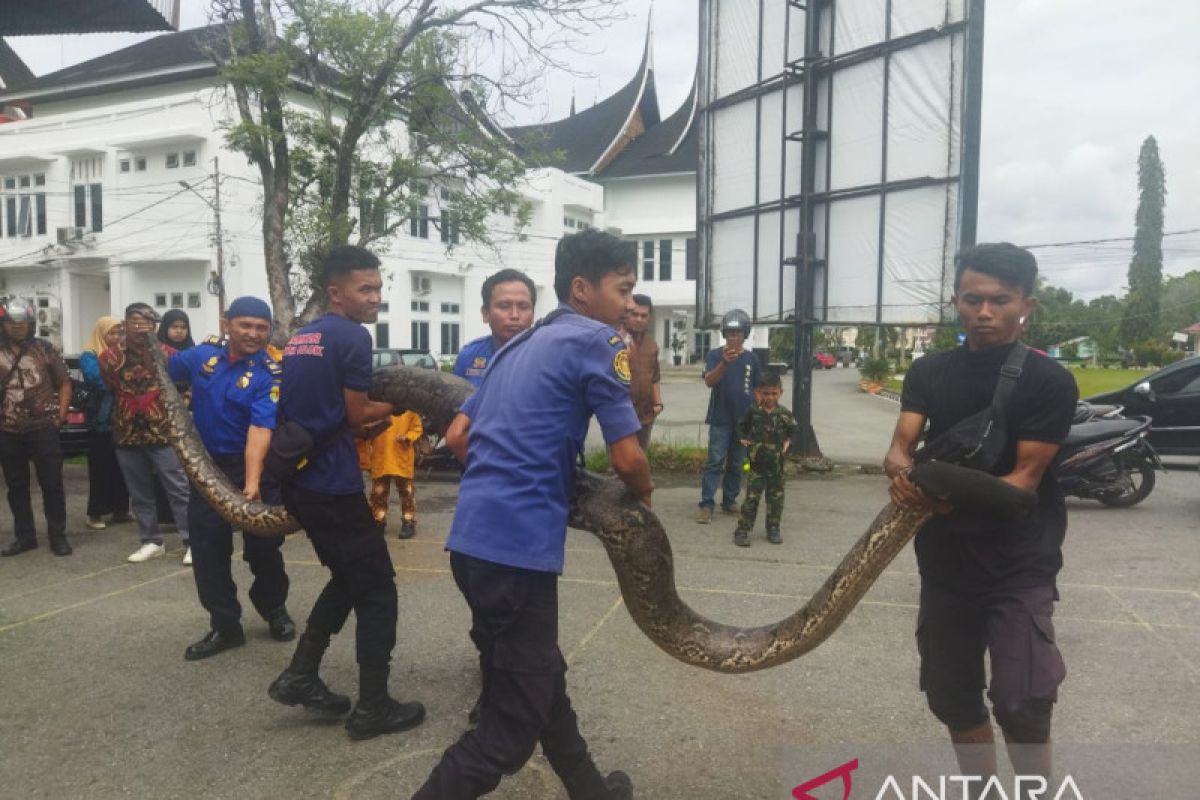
216, 207
220, 242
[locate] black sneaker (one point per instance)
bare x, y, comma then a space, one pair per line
280, 625
367, 721
741, 538
619, 786
773, 536
308, 690
408, 529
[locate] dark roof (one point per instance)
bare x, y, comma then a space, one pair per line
651, 153
576, 143
12, 68
29, 17
172, 50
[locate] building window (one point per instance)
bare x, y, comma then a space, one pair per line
176, 299
449, 338
449, 308
420, 335
189, 158
418, 226
89, 206
160, 300
139, 164
692, 262
193, 299
664, 259
420, 305
172, 160
381, 334
647, 261
125, 165
24, 208
449, 228
383, 308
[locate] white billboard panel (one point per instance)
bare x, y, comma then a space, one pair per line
870, 224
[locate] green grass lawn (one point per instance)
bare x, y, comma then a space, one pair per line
1095, 381
1089, 379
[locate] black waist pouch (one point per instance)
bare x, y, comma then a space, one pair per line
291, 445
979, 440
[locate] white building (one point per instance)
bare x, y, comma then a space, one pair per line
108, 195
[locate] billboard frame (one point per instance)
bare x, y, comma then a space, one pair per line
809, 70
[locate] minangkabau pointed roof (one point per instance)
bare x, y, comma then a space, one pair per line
588, 140
667, 148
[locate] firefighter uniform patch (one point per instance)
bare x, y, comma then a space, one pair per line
621, 366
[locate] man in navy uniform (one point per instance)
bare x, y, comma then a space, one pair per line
325, 383
509, 298
235, 390
507, 539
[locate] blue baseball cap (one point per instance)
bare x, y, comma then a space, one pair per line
248, 307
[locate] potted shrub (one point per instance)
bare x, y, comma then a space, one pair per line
875, 372
678, 342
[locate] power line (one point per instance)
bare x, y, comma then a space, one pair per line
1103, 241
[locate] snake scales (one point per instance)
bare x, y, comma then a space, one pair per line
634, 539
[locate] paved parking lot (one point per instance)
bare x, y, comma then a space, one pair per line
98, 702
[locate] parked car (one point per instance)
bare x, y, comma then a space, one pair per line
411, 357
73, 434
823, 360
1171, 398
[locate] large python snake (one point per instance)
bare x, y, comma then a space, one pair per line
636, 543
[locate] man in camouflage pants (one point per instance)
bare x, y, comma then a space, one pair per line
766, 431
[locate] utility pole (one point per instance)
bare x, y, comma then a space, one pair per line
220, 242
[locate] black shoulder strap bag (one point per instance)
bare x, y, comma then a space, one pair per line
979, 440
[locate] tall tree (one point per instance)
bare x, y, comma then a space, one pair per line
1145, 270
323, 90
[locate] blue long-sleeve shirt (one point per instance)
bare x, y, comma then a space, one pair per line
99, 415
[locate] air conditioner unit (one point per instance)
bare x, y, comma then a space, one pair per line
68, 235
421, 285
49, 317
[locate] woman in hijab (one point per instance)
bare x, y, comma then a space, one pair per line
106, 486
175, 329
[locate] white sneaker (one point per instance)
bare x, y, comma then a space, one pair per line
96, 523
146, 552
187, 558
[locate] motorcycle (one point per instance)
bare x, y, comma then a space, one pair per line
1107, 458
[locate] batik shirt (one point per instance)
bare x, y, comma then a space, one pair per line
31, 399
139, 415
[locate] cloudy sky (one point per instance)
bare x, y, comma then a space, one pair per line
1071, 88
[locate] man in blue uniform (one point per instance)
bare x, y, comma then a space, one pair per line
325, 383
509, 298
235, 389
506, 541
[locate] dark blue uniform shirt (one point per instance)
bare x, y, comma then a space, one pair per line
474, 358
733, 394
322, 359
528, 423
228, 396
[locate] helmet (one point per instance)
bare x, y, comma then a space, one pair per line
16, 309
736, 320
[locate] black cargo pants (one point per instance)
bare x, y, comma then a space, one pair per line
514, 623
211, 540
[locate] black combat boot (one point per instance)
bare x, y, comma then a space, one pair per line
376, 712
300, 685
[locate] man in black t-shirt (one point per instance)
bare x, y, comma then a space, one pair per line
987, 584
